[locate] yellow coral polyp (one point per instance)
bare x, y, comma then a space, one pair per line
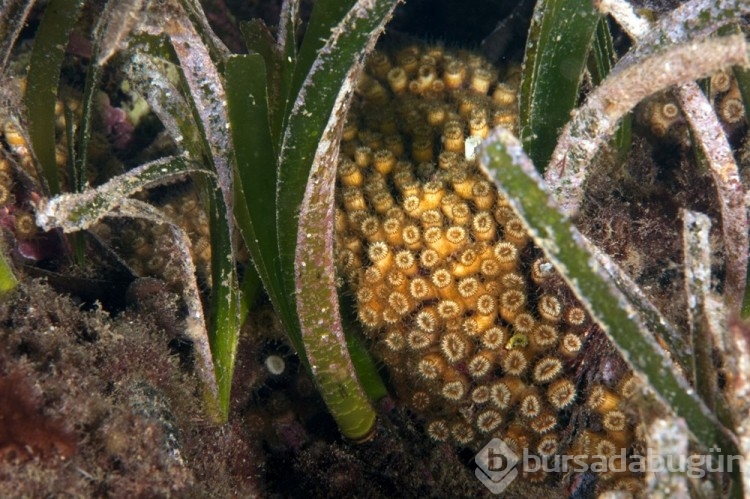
494, 338
561, 393
570, 346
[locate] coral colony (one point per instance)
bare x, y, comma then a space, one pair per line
480, 336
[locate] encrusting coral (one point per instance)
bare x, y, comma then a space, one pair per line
479, 334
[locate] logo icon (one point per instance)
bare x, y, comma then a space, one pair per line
496, 465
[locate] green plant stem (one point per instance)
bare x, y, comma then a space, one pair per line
286, 48
348, 43
717, 153
225, 306
42, 81
316, 293
695, 232
311, 143
250, 286
255, 189
557, 48
603, 56
74, 212
8, 280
